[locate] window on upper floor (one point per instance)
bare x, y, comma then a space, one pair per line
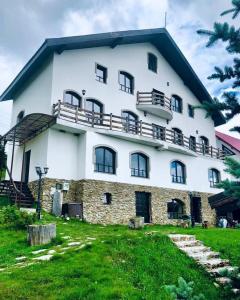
159, 132
105, 160
176, 103
126, 82
190, 111
139, 165
96, 107
130, 121
175, 209
205, 144
101, 73
192, 143
20, 116
227, 151
72, 98
178, 137
178, 172
213, 177
152, 62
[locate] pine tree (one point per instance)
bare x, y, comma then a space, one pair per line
230, 35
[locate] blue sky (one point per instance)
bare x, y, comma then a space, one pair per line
25, 24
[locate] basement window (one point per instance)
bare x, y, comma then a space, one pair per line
107, 198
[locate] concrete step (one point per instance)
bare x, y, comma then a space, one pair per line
188, 243
214, 263
203, 255
181, 237
195, 249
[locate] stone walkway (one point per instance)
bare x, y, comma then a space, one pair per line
204, 256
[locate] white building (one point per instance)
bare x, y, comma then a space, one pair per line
112, 114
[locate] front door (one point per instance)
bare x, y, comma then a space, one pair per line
196, 209
143, 206
26, 166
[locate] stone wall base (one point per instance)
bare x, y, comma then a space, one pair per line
123, 202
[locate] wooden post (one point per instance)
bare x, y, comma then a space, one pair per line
137, 97
111, 115
140, 127
59, 109
13, 149
41, 234
93, 118
76, 115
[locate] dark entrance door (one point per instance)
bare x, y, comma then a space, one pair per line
26, 166
143, 206
196, 209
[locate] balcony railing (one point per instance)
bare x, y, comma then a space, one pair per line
154, 98
120, 124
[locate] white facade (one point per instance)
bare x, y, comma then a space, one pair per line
70, 154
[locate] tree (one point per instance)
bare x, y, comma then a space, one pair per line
230, 105
3, 161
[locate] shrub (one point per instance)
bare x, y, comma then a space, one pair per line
12, 216
234, 275
183, 291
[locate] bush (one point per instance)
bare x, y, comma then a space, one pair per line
12, 216
183, 291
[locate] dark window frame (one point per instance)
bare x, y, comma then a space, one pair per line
159, 132
103, 167
74, 95
98, 119
191, 112
227, 151
178, 137
177, 107
192, 143
152, 62
130, 124
176, 177
212, 175
175, 209
123, 86
107, 198
138, 172
204, 141
102, 79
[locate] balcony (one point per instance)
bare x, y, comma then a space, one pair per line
156, 103
78, 120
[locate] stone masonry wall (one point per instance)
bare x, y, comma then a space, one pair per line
122, 207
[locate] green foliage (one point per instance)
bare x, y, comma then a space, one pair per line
234, 275
13, 217
183, 291
231, 36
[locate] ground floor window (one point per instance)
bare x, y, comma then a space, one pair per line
175, 209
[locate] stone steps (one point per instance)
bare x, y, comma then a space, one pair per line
204, 256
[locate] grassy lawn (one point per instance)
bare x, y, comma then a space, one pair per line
119, 264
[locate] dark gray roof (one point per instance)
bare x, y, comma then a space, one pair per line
158, 37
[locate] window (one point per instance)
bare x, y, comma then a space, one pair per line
192, 143
94, 106
126, 82
72, 98
20, 116
213, 177
139, 165
178, 172
175, 209
178, 136
101, 73
227, 151
190, 111
152, 62
105, 160
159, 132
205, 144
176, 103
107, 198
130, 121
158, 97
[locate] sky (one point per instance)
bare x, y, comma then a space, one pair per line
25, 24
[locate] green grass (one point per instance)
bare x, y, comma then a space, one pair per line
119, 264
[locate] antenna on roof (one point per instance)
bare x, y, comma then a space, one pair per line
165, 20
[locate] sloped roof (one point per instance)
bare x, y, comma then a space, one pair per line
230, 140
159, 37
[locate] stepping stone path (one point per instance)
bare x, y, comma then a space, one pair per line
204, 256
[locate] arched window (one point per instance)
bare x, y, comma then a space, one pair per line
105, 160
213, 177
176, 103
20, 116
72, 98
130, 121
205, 144
139, 165
96, 107
177, 136
178, 172
126, 82
175, 209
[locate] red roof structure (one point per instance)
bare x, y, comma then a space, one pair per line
231, 141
